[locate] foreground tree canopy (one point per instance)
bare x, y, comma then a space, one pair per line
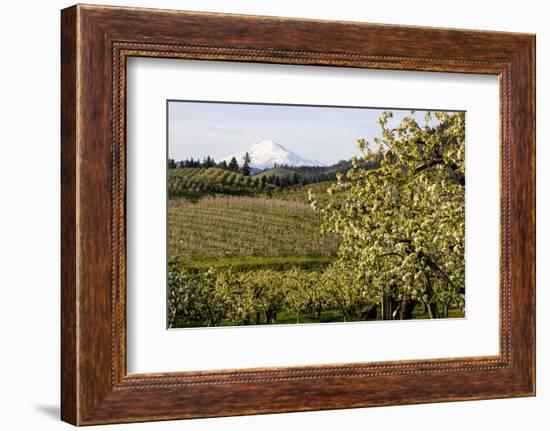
402, 224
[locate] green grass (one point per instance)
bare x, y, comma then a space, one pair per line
244, 263
327, 316
283, 318
419, 314
237, 227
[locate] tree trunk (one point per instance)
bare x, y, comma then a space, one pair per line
370, 312
405, 308
428, 297
445, 312
270, 316
387, 308
319, 311
432, 310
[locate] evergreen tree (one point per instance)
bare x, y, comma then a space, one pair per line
171, 163
246, 165
233, 165
208, 162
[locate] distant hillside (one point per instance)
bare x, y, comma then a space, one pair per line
281, 177
278, 172
286, 175
194, 183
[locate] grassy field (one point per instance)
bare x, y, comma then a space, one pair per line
241, 263
235, 230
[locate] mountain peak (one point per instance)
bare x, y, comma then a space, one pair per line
266, 153
267, 144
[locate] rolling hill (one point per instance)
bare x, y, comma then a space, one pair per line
194, 183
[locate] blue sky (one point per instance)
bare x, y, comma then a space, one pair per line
327, 134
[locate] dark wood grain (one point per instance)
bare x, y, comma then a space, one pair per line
69, 367
96, 41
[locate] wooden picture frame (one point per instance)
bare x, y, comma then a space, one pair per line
95, 43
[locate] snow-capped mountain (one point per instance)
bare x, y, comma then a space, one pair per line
265, 154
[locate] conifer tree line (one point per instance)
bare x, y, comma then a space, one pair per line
210, 162
291, 175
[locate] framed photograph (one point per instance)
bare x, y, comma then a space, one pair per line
264, 214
